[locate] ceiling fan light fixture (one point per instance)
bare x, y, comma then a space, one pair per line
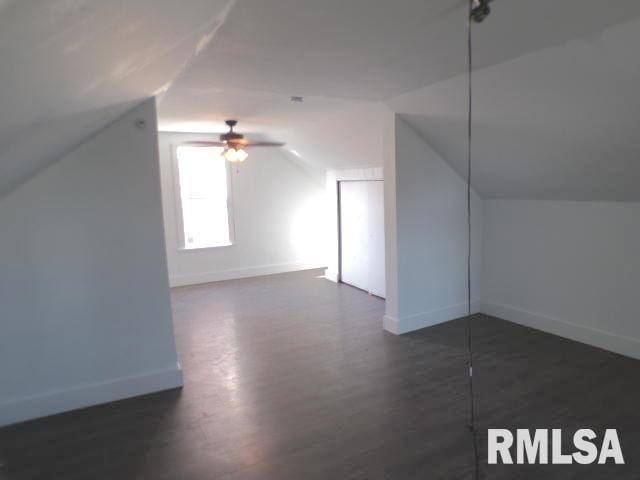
234, 155
232, 142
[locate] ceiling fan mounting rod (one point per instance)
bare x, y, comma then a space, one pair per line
231, 124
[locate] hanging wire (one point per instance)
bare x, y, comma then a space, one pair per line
473, 11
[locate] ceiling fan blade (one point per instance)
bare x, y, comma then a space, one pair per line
243, 142
205, 143
263, 144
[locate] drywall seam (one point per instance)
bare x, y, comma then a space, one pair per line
211, 27
627, 346
83, 396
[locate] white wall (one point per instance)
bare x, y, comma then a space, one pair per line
569, 268
278, 214
86, 314
390, 222
331, 206
429, 228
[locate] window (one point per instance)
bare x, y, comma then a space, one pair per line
204, 197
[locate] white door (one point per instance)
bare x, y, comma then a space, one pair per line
362, 235
376, 239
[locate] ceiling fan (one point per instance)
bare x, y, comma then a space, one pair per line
233, 144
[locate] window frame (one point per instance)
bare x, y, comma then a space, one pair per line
182, 244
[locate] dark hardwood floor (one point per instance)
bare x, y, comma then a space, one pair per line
292, 377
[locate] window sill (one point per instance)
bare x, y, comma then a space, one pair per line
199, 249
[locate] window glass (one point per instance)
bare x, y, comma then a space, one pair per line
204, 193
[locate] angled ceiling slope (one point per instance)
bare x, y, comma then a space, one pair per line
548, 108
69, 67
557, 123
554, 96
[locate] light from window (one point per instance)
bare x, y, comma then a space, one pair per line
204, 196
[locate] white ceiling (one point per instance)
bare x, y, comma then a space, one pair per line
343, 57
309, 128
555, 81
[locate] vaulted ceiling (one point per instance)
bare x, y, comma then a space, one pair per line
68, 67
555, 95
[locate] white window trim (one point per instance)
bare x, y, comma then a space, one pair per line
182, 248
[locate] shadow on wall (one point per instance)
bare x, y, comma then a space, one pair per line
32, 148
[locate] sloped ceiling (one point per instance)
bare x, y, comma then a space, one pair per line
345, 58
554, 95
557, 123
68, 67
554, 87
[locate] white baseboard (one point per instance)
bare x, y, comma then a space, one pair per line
331, 275
83, 396
427, 319
218, 275
591, 336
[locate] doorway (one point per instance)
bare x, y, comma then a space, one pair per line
361, 224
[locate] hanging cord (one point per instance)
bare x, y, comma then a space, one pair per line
472, 418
